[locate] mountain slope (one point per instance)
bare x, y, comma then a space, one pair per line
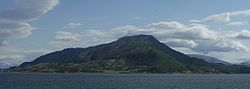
245, 63
140, 53
4, 66
209, 59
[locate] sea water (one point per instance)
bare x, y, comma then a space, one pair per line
122, 81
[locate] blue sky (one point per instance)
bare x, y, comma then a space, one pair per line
30, 28
119, 12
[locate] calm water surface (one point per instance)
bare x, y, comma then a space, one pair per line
123, 81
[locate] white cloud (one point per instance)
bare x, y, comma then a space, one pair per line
95, 37
193, 32
14, 24
124, 30
196, 32
13, 21
235, 24
229, 34
12, 57
168, 30
198, 24
10, 53
220, 45
67, 37
27, 10
221, 17
73, 25
224, 17
243, 12
231, 45
243, 34
17, 30
181, 43
86, 38
43, 5
94, 33
195, 21
64, 39
167, 25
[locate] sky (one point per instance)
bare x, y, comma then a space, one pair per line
31, 28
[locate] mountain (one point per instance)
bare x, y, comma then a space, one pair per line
4, 66
245, 63
131, 54
209, 59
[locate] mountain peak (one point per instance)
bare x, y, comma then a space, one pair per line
144, 39
140, 37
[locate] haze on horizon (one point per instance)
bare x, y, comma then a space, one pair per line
30, 28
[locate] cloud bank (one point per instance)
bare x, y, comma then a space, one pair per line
14, 23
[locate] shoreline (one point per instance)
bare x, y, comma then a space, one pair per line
130, 73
